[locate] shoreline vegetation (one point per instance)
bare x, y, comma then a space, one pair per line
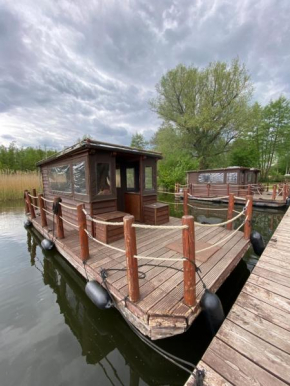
13, 184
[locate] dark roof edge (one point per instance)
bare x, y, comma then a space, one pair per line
98, 145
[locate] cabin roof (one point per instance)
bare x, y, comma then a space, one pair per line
229, 168
92, 144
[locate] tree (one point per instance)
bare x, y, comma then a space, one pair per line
138, 141
176, 161
207, 107
272, 133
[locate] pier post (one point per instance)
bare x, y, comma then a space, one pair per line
31, 208
83, 237
26, 201
249, 190
34, 200
208, 189
185, 202
132, 263
228, 189
230, 210
249, 213
42, 212
59, 222
274, 192
284, 192
188, 241
191, 188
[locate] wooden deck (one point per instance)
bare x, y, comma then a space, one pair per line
160, 312
252, 346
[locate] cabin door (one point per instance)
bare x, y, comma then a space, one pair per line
128, 187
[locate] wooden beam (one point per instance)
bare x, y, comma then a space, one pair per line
185, 202
230, 210
132, 264
83, 237
274, 192
249, 213
188, 240
34, 200
31, 208
26, 201
42, 212
59, 222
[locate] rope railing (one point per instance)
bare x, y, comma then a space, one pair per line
50, 213
30, 195
102, 222
104, 244
46, 200
145, 226
35, 206
203, 208
68, 222
67, 206
163, 192
240, 198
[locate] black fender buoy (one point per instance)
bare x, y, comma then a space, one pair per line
47, 244
213, 311
27, 223
98, 295
287, 201
257, 243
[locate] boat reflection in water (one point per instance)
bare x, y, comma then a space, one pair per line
105, 339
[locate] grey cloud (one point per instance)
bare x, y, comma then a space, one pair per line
74, 68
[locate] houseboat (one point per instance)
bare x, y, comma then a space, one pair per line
99, 209
217, 184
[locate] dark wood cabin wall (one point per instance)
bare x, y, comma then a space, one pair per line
149, 199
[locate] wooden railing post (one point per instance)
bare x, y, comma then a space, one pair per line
274, 192
132, 263
83, 237
230, 210
249, 213
249, 190
188, 241
185, 202
31, 208
42, 212
228, 189
59, 222
208, 189
191, 188
34, 200
284, 192
26, 201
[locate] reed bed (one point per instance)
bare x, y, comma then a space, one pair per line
13, 184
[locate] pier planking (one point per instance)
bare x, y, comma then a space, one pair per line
252, 347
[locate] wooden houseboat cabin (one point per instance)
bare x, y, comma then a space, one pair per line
111, 180
220, 182
88, 191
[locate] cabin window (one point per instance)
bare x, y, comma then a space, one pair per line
149, 178
118, 178
60, 178
103, 179
130, 178
250, 178
232, 178
79, 178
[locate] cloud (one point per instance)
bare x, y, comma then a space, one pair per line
70, 68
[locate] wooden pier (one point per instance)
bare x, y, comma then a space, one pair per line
165, 301
252, 347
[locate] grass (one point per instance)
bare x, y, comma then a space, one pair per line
13, 184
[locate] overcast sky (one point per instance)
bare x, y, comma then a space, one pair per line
72, 67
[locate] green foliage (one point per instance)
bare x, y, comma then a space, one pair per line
271, 133
13, 158
208, 108
172, 168
138, 141
244, 153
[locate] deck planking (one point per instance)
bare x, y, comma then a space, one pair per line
252, 347
160, 311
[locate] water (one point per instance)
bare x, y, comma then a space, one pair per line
51, 334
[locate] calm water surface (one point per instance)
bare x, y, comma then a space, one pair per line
51, 334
